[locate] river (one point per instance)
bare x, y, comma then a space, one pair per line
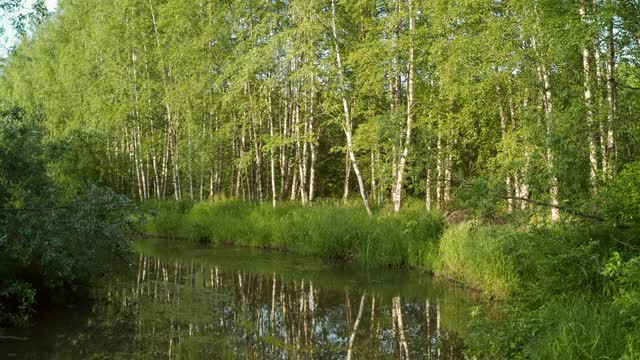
193, 301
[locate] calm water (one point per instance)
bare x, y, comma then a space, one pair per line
196, 302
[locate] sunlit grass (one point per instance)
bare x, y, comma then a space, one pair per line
331, 229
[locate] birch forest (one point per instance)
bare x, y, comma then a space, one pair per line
516, 103
346, 179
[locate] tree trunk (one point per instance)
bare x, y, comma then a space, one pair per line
272, 155
312, 147
347, 125
347, 175
611, 99
439, 169
503, 134
427, 195
586, 70
397, 193
550, 126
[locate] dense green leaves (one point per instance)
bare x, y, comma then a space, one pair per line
54, 240
243, 98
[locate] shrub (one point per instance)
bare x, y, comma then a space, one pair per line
621, 200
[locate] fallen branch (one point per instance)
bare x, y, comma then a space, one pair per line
570, 211
13, 338
561, 208
61, 207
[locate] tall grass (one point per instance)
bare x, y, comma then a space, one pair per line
332, 230
480, 257
503, 259
564, 327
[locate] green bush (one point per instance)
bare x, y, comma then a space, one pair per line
620, 202
52, 245
60, 251
17, 301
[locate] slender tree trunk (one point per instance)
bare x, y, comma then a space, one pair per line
258, 159
190, 163
503, 134
347, 126
447, 171
586, 70
373, 176
397, 193
165, 163
284, 163
550, 126
312, 147
439, 169
174, 156
300, 155
347, 175
272, 156
611, 99
294, 185
427, 195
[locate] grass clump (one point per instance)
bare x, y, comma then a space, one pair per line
330, 230
482, 257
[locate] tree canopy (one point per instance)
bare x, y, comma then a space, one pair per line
481, 101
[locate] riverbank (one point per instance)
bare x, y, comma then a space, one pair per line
583, 271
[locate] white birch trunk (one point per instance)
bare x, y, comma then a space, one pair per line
397, 193
586, 70
272, 161
611, 99
347, 126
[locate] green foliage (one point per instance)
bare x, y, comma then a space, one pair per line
23, 175
17, 302
482, 197
625, 275
570, 299
51, 247
573, 327
58, 252
164, 99
621, 200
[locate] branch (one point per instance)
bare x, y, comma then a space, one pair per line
562, 208
32, 209
13, 338
628, 86
61, 207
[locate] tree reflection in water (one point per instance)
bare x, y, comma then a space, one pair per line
176, 309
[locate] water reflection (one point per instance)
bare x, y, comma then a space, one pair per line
172, 308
